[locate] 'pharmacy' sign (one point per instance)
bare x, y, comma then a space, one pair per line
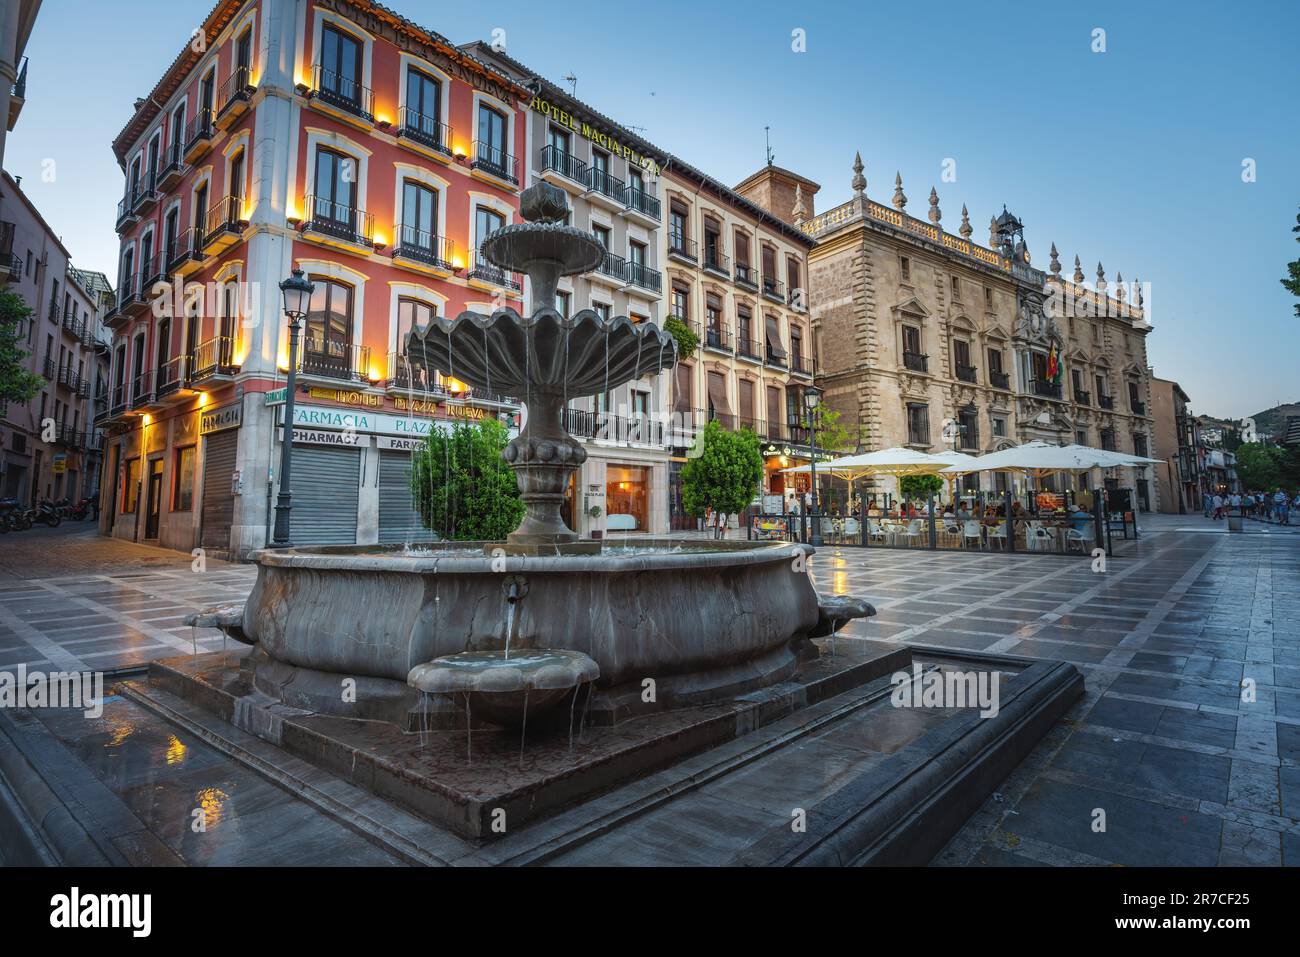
369, 423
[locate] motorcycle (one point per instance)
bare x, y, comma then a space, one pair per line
13, 517
81, 511
47, 513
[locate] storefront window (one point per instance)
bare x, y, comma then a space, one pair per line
183, 492
131, 485
627, 498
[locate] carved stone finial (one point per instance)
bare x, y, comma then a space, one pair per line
1055, 264
800, 212
900, 198
859, 181
1137, 290
993, 232
935, 213
1120, 292
543, 203
1101, 277
965, 229
1078, 270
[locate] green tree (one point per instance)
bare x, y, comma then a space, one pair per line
726, 475
1292, 281
17, 385
687, 341
463, 489
920, 486
1259, 466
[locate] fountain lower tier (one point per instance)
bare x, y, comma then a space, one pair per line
669, 624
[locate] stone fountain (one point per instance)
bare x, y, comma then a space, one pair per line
515, 627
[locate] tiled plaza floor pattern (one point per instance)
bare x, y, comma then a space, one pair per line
1184, 770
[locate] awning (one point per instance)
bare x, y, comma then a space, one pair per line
774, 339
718, 394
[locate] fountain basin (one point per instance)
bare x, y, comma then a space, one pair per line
502, 687
699, 620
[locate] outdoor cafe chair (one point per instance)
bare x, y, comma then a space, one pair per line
998, 532
875, 530
912, 532
971, 531
1074, 536
851, 527
1040, 539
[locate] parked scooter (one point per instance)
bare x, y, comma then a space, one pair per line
47, 513
13, 517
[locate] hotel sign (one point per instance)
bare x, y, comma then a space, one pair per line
221, 418
602, 139
348, 397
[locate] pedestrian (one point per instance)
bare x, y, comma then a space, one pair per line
1218, 506
1282, 507
1234, 503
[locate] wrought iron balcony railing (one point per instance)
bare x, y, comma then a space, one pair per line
423, 129
681, 247
1106, 401
424, 247
773, 289
339, 221
495, 161
600, 181
999, 379
716, 261
965, 373
485, 271
334, 360
642, 201
557, 160
1051, 390
213, 357
343, 92
744, 276
639, 274
916, 361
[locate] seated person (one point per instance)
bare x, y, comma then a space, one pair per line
1080, 520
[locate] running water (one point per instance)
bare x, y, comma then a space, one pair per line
510, 626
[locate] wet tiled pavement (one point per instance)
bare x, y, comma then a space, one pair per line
1163, 745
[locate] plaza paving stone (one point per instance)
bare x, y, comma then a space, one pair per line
1185, 770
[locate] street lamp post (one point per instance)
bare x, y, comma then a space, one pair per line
812, 397
297, 290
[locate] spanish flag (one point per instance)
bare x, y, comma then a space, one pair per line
1054, 365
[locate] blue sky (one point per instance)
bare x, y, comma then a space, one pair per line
1132, 156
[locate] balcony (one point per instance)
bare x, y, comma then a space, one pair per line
11, 269
185, 253
1139, 408
606, 427
746, 277
234, 97
494, 164
774, 289
718, 338
213, 360
1082, 397
716, 262
342, 97
1108, 441
174, 166
1050, 390
1106, 401
424, 134
484, 275
54, 310
142, 390
604, 190
965, 373
17, 96
404, 377
222, 226
334, 360
127, 216
641, 206
7, 258
119, 402
776, 357
916, 361
799, 365
198, 135
423, 251
131, 301
748, 348
612, 271
679, 247
49, 370
146, 194
172, 376
152, 271
66, 435
70, 378
639, 274
1000, 380
563, 169
338, 225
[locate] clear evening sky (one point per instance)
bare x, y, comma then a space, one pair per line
1132, 156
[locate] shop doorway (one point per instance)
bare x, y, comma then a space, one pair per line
627, 498
153, 503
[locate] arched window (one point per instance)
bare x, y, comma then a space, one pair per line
327, 342
411, 314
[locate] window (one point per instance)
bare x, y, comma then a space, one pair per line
486, 222
956, 288
412, 314
602, 235
130, 485
334, 203
327, 339
918, 424
745, 331
968, 428
796, 347
183, 480
746, 396
207, 93
988, 298
677, 227
793, 283
961, 357
999, 427
235, 189
604, 310
636, 253
559, 140
492, 138
340, 62
423, 103
712, 244
905, 267
562, 300
419, 216
1081, 436
635, 181
681, 303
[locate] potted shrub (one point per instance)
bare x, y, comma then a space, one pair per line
594, 512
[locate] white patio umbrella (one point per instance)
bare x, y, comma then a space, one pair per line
1106, 459
1032, 458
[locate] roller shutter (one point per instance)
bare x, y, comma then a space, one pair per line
326, 486
398, 519
219, 450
